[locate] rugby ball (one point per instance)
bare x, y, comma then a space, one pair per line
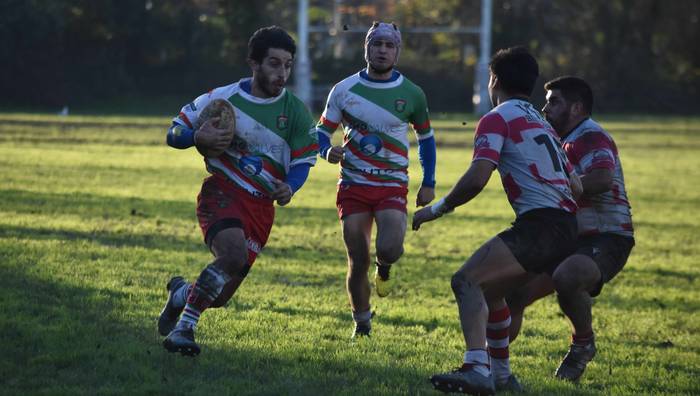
223, 110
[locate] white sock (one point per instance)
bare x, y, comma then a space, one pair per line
500, 369
480, 359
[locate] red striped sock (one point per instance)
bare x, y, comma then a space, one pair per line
497, 341
204, 291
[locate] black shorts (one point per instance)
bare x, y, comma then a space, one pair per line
609, 252
540, 239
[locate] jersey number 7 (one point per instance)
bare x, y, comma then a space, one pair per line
549, 144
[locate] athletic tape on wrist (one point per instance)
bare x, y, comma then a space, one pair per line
440, 208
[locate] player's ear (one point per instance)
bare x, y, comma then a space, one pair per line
577, 108
493, 81
255, 66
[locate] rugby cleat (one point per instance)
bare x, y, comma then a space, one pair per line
181, 339
509, 385
383, 282
464, 380
361, 330
170, 314
575, 361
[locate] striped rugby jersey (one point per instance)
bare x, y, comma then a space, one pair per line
271, 135
528, 154
590, 147
375, 117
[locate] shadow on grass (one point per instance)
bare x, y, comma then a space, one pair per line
111, 207
94, 206
643, 303
58, 337
105, 238
156, 241
671, 275
61, 338
384, 318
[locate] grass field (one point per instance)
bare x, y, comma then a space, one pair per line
97, 213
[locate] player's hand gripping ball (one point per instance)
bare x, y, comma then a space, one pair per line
217, 124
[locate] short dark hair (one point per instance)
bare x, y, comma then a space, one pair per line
573, 89
516, 70
269, 37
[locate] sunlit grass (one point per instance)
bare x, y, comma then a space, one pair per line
97, 214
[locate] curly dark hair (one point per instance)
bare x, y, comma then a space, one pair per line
269, 37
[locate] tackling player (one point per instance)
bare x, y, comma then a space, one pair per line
268, 160
375, 107
538, 180
606, 235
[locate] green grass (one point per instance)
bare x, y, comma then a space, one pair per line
97, 213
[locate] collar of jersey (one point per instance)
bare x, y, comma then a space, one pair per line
245, 90
517, 100
511, 101
578, 128
395, 80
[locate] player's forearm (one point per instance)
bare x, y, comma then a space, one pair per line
297, 175
180, 136
462, 192
597, 181
470, 184
427, 156
324, 144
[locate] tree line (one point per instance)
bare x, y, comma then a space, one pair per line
639, 55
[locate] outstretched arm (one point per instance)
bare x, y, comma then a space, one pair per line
468, 187
470, 184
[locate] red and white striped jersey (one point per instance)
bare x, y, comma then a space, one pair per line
528, 154
590, 147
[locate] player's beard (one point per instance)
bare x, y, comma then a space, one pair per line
372, 66
559, 123
266, 85
381, 71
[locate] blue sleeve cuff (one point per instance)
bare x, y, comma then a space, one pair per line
297, 176
180, 137
324, 144
427, 157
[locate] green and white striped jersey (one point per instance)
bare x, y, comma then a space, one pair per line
271, 135
375, 117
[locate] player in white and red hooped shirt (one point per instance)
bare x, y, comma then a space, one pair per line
540, 184
604, 220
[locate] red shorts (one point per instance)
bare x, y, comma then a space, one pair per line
221, 204
359, 199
